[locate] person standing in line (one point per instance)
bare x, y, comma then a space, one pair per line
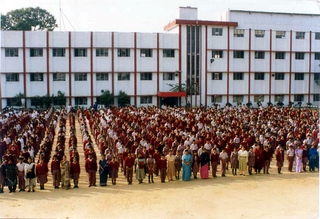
251, 160
114, 168
65, 173
195, 164
279, 158
151, 163
129, 162
170, 169
204, 160
298, 156
91, 169
186, 165
21, 180
214, 157
42, 173
313, 157
103, 170
75, 172
290, 154
234, 161
30, 175
2, 174
55, 171
178, 165
258, 159
157, 157
223, 158
163, 168
243, 160
266, 160
140, 173
305, 157
11, 176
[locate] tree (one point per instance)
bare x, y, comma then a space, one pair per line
37, 101
17, 99
28, 19
106, 98
123, 98
47, 100
60, 99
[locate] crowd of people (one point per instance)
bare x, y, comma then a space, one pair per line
171, 143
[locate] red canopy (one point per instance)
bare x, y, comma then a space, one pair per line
171, 94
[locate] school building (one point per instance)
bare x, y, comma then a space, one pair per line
246, 56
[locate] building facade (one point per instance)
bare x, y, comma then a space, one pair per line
248, 56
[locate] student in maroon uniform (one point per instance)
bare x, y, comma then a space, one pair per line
55, 171
214, 158
129, 162
75, 171
91, 169
279, 158
163, 168
113, 168
41, 173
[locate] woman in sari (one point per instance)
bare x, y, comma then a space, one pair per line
65, 173
204, 160
103, 170
186, 166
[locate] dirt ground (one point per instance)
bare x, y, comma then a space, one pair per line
286, 196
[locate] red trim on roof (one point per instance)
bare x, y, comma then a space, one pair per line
171, 94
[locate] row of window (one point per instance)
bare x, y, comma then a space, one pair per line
83, 52
218, 54
260, 98
261, 76
103, 76
147, 76
218, 31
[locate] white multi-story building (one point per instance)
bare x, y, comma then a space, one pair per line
248, 56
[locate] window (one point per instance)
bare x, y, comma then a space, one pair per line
59, 76
316, 76
238, 54
168, 53
123, 52
80, 52
237, 98
279, 76
216, 99
279, 98
280, 55
11, 101
259, 55
217, 76
101, 52
146, 100
168, 76
317, 56
102, 76
80, 101
258, 98
146, 76
238, 33
298, 97
259, 33
237, 76
299, 55
12, 77
317, 36
300, 35
36, 52
80, 76
259, 76
58, 52
299, 76
36, 76
123, 76
11, 52
217, 54
280, 34
216, 31
316, 97
146, 53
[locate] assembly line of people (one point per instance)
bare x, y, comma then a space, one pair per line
169, 144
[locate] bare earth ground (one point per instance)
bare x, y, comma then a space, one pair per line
286, 196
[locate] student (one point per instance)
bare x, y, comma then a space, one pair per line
113, 169
214, 158
11, 171
30, 175
223, 158
290, 154
129, 162
163, 168
234, 161
41, 173
21, 179
91, 169
151, 163
75, 172
279, 158
178, 165
195, 164
55, 171
204, 160
251, 160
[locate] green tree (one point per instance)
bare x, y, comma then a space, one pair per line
17, 99
37, 101
123, 98
28, 19
60, 99
106, 98
47, 100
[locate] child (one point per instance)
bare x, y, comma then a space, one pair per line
114, 168
163, 168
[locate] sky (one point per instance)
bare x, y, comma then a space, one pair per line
145, 15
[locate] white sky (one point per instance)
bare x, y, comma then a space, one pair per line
146, 15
